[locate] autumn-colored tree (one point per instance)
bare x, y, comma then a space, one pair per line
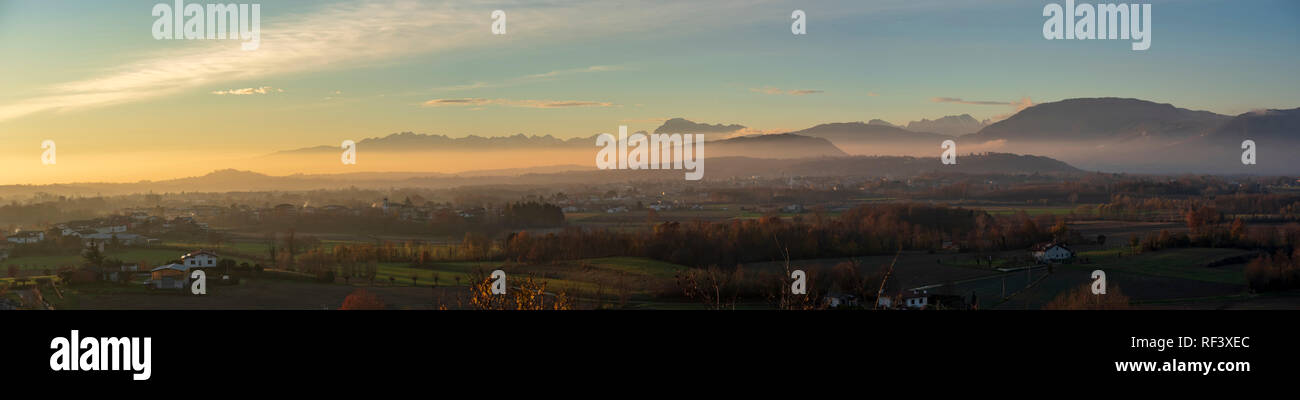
1081, 298
1238, 230
361, 299
1060, 231
1197, 219
526, 294
1276, 272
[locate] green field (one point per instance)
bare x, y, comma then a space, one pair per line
250, 248
641, 274
446, 272
638, 265
1188, 263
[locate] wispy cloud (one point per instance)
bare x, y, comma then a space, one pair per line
1016, 105
248, 91
478, 102
566, 104
359, 34
594, 68
526, 79
793, 92
959, 100
644, 120
457, 102
338, 35
348, 35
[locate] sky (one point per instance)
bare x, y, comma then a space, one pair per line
123, 106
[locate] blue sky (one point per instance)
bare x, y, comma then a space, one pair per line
340, 70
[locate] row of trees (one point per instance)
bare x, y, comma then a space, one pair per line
532, 214
1275, 272
1207, 227
45, 209
864, 230
1257, 206
440, 221
346, 262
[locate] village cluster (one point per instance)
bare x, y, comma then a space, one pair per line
128, 228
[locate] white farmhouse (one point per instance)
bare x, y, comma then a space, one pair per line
916, 301
1052, 252
201, 258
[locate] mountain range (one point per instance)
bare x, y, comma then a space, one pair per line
1097, 134
1131, 135
1104, 134
952, 125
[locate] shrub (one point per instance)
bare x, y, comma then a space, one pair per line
1081, 298
360, 299
1274, 273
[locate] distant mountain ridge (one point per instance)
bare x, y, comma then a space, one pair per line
864, 131
682, 125
1107, 118
860, 138
1261, 125
952, 125
1131, 135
